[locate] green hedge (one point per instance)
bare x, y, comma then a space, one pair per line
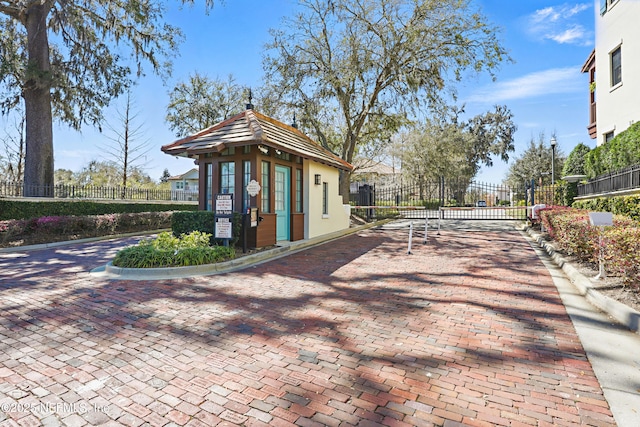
203, 221
622, 151
169, 251
21, 209
623, 205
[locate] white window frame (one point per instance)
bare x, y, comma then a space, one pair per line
325, 200
614, 84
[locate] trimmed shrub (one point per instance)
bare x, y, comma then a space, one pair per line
621, 252
623, 205
21, 209
572, 232
186, 222
169, 251
59, 228
203, 221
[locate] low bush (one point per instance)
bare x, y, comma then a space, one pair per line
21, 209
621, 251
623, 205
49, 229
203, 221
166, 250
572, 232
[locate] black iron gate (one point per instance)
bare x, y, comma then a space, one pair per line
444, 199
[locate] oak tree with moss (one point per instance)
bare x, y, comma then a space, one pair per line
67, 59
356, 71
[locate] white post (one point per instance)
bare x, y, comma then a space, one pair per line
439, 218
601, 219
602, 274
410, 237
426, 227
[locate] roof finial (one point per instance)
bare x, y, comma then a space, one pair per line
250, 105
294, 124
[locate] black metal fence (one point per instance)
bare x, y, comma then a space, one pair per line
63, 191
438, 193
418, 199
623, 179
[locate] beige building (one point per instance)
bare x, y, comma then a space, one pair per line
185, 186
615, 87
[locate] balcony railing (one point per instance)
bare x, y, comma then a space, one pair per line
624, 179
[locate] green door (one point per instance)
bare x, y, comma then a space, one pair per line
283, 202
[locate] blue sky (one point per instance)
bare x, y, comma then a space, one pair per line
548, 41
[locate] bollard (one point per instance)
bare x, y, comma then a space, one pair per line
410, 237
426, 227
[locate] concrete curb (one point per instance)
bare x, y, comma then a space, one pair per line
622, 313
112, 272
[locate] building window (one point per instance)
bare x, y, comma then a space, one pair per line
246, 177
325, 198
179, 185
208, 197
228, 151
265, 192
282, 155
606, 5
227, 177
616, 66
298, 190
608, 136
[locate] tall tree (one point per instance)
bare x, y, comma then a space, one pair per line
534, 163
447, 146
202, 102
108, 174
127, 149
12, 161
370, 63
574, 165
75, 76
164, 178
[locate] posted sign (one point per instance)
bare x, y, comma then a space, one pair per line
224, 228
224, 204
224, 216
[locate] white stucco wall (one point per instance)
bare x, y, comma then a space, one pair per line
617, 107
317, 224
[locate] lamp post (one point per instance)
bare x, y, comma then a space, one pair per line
553, 160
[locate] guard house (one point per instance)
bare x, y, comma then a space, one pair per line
298, 196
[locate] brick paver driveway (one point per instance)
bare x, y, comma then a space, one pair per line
468, 329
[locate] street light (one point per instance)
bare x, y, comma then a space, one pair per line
553, 160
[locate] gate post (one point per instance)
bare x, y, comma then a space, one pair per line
533, 192
365, 194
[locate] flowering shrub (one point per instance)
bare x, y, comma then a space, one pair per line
57, 228
621, 251
572, 232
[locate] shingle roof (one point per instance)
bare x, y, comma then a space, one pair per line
251, 127
183, 175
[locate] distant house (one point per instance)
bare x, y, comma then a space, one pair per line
375, 173
298, 179
185, 186
615, 57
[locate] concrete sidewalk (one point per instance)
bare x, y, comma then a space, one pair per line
468, 330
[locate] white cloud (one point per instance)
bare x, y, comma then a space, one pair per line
537, 84
560, 24
574, 35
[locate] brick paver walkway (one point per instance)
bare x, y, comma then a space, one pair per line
468, 330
